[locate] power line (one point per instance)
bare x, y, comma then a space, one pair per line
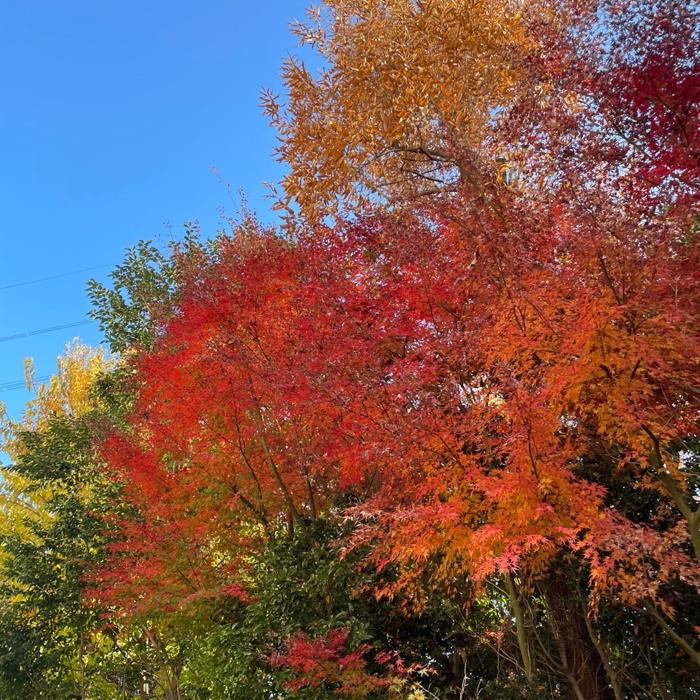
52, 277
20, 383
10, 386
50, 329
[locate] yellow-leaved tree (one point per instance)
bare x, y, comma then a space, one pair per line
67, 393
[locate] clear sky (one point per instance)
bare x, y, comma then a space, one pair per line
112, 115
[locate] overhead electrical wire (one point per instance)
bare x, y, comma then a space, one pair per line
40, 331
52, 277
20, 383
9, 386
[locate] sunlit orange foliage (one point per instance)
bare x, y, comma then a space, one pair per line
406, 90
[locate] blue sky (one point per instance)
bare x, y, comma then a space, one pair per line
113, 114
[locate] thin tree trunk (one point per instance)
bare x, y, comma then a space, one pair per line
692, 517
523, 642
682, 643
83, 685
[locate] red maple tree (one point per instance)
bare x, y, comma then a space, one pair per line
469, 374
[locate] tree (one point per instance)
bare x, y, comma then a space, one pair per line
48, 531
440, 404
405, 95
492, 389
57, 506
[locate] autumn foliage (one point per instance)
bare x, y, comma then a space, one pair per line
324, 661
471, 377
475, 350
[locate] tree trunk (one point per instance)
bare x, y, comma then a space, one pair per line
521, 631
582, 666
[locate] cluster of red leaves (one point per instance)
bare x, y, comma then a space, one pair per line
326, 662
450, 369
